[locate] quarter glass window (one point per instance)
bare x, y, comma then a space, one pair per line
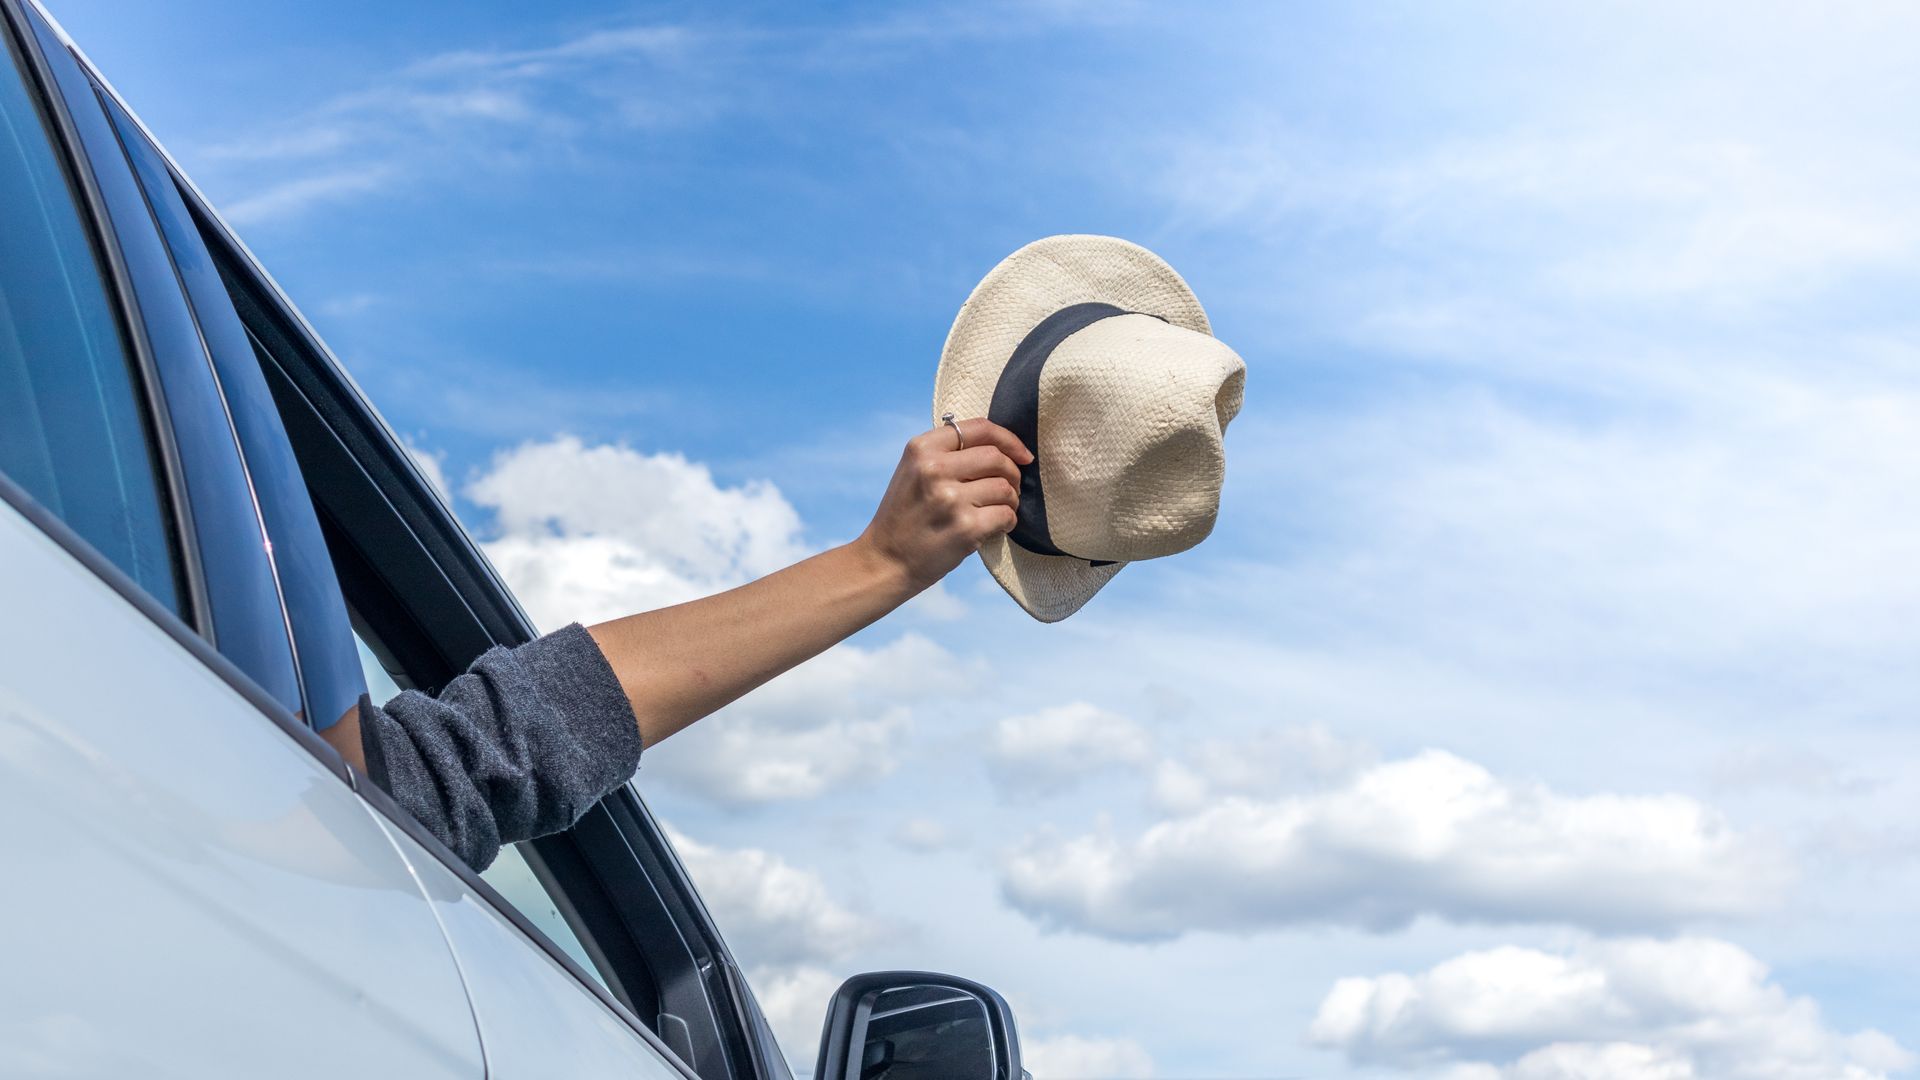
73, 433
510, 875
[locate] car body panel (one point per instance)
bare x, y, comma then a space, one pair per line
535, 1020
196, 893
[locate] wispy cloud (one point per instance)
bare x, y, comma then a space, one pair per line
450, 114
291, 197
446, 116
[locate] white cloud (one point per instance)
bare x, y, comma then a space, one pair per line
1691, 535
1635, 1008
923, 835
770, 911
836, 719
1049, 750
474, 115
1073, 1057
794, 1000
1282, 760
1801, 770
1561, 200
290, 197
1427, 835
439, 116
595, 532
433, 467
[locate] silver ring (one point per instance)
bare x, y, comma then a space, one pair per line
947, 419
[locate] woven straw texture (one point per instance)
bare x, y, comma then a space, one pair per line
1131, 410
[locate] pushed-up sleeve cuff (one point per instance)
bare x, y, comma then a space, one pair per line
521, 745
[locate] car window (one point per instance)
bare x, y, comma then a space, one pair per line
73, 433
510, 874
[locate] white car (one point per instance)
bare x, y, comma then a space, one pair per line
208, 534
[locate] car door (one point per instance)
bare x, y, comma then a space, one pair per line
194, 886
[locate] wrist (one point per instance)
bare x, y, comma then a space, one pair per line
885, 571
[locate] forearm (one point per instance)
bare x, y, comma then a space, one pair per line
680, 663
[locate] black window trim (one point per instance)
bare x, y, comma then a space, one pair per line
91, 204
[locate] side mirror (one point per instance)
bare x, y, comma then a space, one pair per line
917, 1025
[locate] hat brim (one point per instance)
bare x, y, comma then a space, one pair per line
1003, 309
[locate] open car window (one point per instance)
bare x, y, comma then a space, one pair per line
512, 874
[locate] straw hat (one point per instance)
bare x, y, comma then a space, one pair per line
1099, 357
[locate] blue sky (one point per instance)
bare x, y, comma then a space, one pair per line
1544, 698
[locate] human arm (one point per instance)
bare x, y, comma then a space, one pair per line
530, 736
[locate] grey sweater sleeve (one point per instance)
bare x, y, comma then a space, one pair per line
521, 745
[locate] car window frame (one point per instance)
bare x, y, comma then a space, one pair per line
23, 25
242, 613
326, 671
90, 205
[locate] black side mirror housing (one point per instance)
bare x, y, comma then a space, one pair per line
918, 1025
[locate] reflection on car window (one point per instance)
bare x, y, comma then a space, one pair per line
380, 685
514, 879
72, 432
510, 875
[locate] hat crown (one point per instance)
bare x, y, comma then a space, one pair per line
1127, 441
1131, 414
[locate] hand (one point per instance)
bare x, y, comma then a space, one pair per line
943, 503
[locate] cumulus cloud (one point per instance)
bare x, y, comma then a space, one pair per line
1427, 835
794, 1000
770, 911
838, 718
1049, 750
1632, 1008
593, 532
433, 468
1074, 1057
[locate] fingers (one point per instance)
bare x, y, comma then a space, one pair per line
992, 491
981, 431
977, 432
993, 521
979, 462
